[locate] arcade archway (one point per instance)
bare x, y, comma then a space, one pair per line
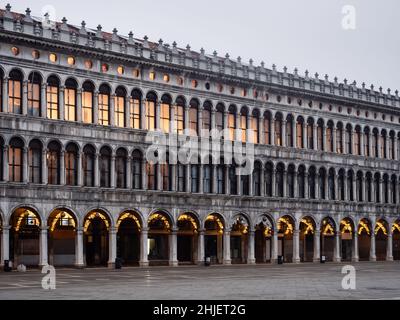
396, 240
381, 238
187, 241
213, 237
328, 229
307, 229
285, 238
159, 225
263, 240
239, 239
347, 236
128, 237
364, 239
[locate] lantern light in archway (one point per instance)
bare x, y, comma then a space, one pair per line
93, 216
30, 219
128, 215
380, 226
65, 219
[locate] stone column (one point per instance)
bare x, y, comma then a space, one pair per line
317, 249
96, 171
173, 248
96, 108
336, 197
158, 114
186, 117
324, 144
227, 185
337, 253
80, 169
251, 187
354, 182
285, 183
79, 263
272, 132
389, 246
43, 100
25, 98
112, 250
62, 167
306, 186
296, 246
173, 177
355, 255
5, 95
200, 120
200, 251
187, 178
305, 134
144, 175
5, 244
201, 173
250, 252
274, 253
372, 253
143, 115
295, 185
144, 262
79, 105
214, 179
362, 153
273, 182
227, 247
61, 107
43, 251
25, 165
381, 196
315, 136
364, 189
345, 188
160, 177
262, 182
127, 112
113, 169
334, 140
6, 174
284, 138
317, 193
112, 110
129, 173
44, 167
261, 130
213, 122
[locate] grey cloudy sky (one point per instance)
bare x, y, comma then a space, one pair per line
306, 34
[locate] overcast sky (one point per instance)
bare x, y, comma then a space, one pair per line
306, 34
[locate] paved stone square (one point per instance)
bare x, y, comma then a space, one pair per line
377, 280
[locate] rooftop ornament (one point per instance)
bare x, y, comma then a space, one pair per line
8, 7
296, 71
285, 69
306, 73
326, 77
239, 59
215, 53
316, 75
202, 51
262, 64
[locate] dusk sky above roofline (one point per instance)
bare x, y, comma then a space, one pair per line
305, 34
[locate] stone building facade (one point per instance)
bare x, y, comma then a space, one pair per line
77, 187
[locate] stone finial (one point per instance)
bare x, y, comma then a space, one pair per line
274, 67
251, 61
296, 71
335, 79
363, 85
115, 31
28, 12
262, 64
354, 83
380, 89
372, 87
202, 51
326, 77
306, 73
174, 44
8, 7
188, 47
227, 56
239, 59
130, 37
285, 69
99, 27
145, 38
83, 24
389, 91
215, 53
316, 75
64, 20
397, 93
345, 81
160, 42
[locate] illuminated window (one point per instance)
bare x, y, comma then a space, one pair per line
243, 125
105, 67
120, 108
310, 134
194, 83
15, 92
87, 102
152, 75
180, 81
166, 175
52, 98
70, 100
53, 57
244, 92
329, 137
151, 111
135, 106
339, 140
151, 171
15, 160
166, 78
267, 128
232, 124
15, 51
232, 90
136, 73
165, 117
255, 128
35, 54
206, 124
278, 130
121, 70
34, 82
179, 116
193, 118
71, 61
220, 88
104, 105
88, 64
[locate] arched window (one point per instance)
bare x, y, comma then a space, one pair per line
339, 138
119, 107
394, 189
233, 179
35, 161
70, 99
383, 144
219, 118
290, 182
278, 129
193, 117
89, 154
194, 178
257, 179
375, 143
385, 186
15, 92
15, 160
244, 182
321, 183
350, 191
53, 162
105, 167
267, 127
120, 167
289, 131
165, 116
301, 181
392, 145
299, 132
179, 115
341, 181
329, 137
331, 185
359, 185
367, 141
268, 179
311, 182
221, 177
279, 179
152, 181
151, 101
181, 177
206, 124
71, 165
243, 124
207, 177
377, 180
34, 96
53, 85
368, 186
320, 135
104, 105
232, 122
310, 133
255, 127
357, 141
135, 110
349, 138
137, 169
87, 102
166, 171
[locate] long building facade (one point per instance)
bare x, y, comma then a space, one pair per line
78, 187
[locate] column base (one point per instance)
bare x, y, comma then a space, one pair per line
389, 259
316, 260
337, 260
40, 265
111, 265
227, 262
251, 261
173, 263
297, 261
143, 264
372, 259
355, 259
79, 266
274, 261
